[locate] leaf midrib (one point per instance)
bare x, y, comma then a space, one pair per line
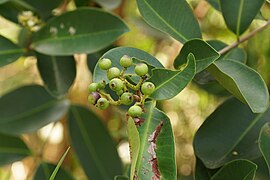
239, 17
56, 38
11, 51
164, 21
88, 143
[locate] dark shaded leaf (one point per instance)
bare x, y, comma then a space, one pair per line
93, 145
57, 72
12, 149
29, 108
264, 143
230, 132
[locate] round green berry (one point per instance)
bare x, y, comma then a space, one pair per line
148, 88
92, 87
116, 84
126, 98
141, 69
93, 97
101, 84
104, 63
135, 111
102, 103
113, 73
126, 61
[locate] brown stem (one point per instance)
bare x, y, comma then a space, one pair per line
244, 38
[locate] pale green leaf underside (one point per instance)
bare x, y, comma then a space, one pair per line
243, 82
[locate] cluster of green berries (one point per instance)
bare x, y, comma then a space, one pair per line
122, 87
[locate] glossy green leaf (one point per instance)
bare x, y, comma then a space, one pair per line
57, 72
44, 171
54, 173
174, 17
156, 124
243, 82
29, 108
93, 145
109, 4
170, 83
238, 14
264, 143
203, 52
236, 170
201, 172
134, 144
9, 51
262, 172
3, 1
229, 133
12, 149
65, 35
115, 54
215, 4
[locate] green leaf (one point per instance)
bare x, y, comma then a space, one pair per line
29, 108
237, 169
174, 17
44, 171
215, 4
93, 145
109, 4
115, 54
264, 143
57, 72
54, 173
12, 149
238, 14
120, 177
65, 35
156, 124
9, 51
3, 1
203, 52
170, 83
243, 82
10, 10
232, 129
201, 172
134, 144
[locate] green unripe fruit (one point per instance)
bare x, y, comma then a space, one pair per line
135, 111
102, 103
148, 88
126, 61
141, 69
126, 98
93, 97
92, 87
104, 63
101, 84
113, 73
116, 84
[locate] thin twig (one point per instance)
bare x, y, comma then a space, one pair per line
244, 38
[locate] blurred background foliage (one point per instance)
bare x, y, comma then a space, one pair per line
187, 110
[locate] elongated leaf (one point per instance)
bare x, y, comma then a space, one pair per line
215, 4
44, 171
12, 149
264, 143
229, 133
238, 14
134, 144
174, 17
237, 169
170, 83
57, 72
109, 4
203, 52
201, 172
54, 173
156, 126
115, 54
93, 145
9, 51
29, 108
243, 82
65, 35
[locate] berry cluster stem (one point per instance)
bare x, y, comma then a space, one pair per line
110, 99
135, 87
